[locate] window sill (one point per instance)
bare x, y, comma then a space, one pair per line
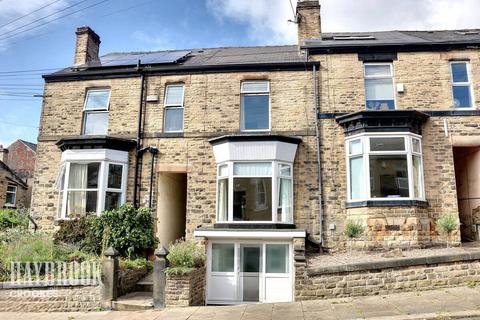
179, 134
253, 225
387, 203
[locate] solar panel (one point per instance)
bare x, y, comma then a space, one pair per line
126, 59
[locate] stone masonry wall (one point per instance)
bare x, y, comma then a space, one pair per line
51, 299
426, 76
22, 192
212, 108
311, 284
186, 290
128, 278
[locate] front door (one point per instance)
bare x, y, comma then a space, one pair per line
247, 271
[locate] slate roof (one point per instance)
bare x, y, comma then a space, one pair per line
31, 145
407, 39
236, 58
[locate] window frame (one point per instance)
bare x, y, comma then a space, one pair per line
366, 153
167, 106
392, 76
255, 93
275, 176
86, 111
102, 187
462, 84
9, 204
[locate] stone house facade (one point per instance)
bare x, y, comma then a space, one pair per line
13, 190
256, 150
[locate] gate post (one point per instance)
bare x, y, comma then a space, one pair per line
109, 277
159, 277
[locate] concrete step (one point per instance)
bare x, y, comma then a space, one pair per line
134, 301
146, 284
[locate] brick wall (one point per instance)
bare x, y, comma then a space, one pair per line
185, 290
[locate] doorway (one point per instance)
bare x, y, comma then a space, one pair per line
467, 176
171, 206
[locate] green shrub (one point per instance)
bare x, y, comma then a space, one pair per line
127, 229
72, 231
184, 256
447, 223
10, 218
353, 229
136, 263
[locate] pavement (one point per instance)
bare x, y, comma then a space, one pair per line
451, 303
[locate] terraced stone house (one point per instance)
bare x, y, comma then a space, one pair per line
257, 151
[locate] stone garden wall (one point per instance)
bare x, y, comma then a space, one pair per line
51, 298
128, 278
186, 290
398, 275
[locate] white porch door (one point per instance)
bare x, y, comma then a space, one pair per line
249, 272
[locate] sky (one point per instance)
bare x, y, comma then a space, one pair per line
40, 34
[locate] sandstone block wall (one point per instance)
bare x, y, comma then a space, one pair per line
51, 299
6, 179
186, 290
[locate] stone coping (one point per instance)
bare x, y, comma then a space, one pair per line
46, 284
394, 263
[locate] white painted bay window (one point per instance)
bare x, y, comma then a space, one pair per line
385, 167
96, 112
91, 181
173, 114
379, 89
255, 192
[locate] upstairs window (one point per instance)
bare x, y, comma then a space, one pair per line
11, 197
173, 114
385, 167
379, 90
96, 112
461, 85
255, 106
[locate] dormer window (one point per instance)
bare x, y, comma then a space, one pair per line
96, 112
379, 90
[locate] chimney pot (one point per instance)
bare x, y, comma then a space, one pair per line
308, 20
87, 46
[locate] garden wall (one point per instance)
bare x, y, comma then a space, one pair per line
185, 289
384, 277
50, 298
128, 278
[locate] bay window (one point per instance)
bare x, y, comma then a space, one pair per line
255, 192
385, 167
91, 181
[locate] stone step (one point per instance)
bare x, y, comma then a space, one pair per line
146, 284
134, 301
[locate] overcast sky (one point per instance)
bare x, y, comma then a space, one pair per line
45, 38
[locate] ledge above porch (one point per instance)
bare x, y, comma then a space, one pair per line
262, 234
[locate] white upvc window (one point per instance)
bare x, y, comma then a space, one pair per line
384, 167
91, 187
379, 86
11, 196
249, 191
255, 106
174, 108
95, 119
462, 89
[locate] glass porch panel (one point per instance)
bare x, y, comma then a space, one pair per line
389, 176
276, 256
250, 258
250, 268
223, 257
246, 199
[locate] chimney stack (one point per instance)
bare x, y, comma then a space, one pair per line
308, 20
87, 47
3, 154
